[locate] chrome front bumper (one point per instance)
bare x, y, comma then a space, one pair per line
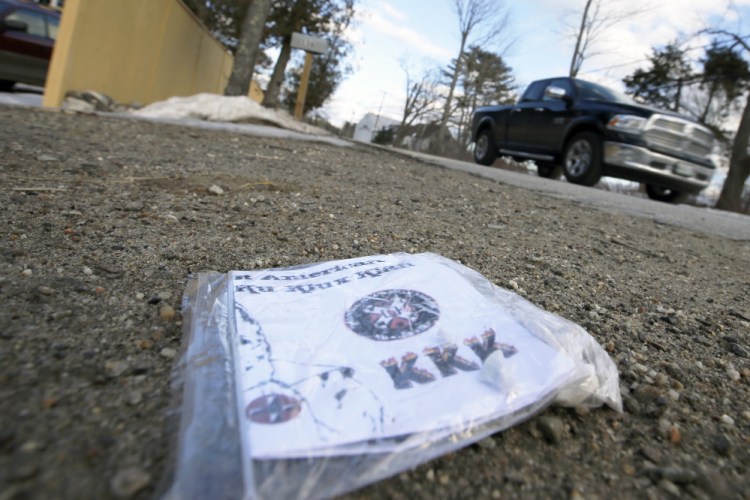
656, 166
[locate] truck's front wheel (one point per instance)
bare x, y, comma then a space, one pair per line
484, 149
582, 163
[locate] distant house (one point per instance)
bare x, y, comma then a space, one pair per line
369, 125
424, 137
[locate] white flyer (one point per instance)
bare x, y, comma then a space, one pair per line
354, 356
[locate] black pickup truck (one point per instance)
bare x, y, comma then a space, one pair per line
585, 131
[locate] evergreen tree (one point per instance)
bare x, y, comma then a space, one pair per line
480, 22
326, 74
713, 93
709, 95
384, 136
484, 80
223, 18
662, 84
326, 18
724, 79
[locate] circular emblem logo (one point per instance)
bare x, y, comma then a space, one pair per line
392, 314
273, 409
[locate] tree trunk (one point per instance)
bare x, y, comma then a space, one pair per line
449, 100
739, 166
463, 136
412, 96
271, 100
400, 134
248, 47
574, 65
709, 101
407, 107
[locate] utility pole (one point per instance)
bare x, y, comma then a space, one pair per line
377, 117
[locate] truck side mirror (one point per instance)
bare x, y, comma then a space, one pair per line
13, 25
558, 93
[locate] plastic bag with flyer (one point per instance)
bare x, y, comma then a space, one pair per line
315, 380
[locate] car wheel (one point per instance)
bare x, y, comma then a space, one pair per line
582, 163
548, 170
484, 149
6, 85
665, 194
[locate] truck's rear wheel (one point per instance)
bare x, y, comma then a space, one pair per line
668, 195
548, 170
582, 163
484, 149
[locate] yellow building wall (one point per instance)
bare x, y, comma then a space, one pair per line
135, 51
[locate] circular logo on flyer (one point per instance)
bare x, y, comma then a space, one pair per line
392, 314
273, 409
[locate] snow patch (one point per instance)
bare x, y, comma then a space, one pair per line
219, 108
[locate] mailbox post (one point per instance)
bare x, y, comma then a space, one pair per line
311, 45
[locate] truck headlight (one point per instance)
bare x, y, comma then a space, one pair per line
630, 124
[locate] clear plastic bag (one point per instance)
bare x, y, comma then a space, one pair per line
312, 381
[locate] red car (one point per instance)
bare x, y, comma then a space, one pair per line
27, 35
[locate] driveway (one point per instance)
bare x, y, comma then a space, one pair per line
704, 220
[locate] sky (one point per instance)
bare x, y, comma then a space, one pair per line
423, 34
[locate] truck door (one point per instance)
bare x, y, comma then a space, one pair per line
536, 126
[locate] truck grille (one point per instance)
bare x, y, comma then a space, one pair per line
680, 137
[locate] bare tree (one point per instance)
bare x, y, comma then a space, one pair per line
421, 99
248, 47
739, 162
596, 20
577, 59
480, 22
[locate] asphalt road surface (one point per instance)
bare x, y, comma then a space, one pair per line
701, 219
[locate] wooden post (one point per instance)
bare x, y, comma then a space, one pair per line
302, 92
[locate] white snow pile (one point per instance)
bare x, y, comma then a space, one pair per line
219, 108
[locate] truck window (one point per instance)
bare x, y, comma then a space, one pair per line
535, 91
53, 25
593, 92
34, 21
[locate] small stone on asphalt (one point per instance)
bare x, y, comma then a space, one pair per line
130, 481
116, 368
167, 312
552, 428
168, 353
